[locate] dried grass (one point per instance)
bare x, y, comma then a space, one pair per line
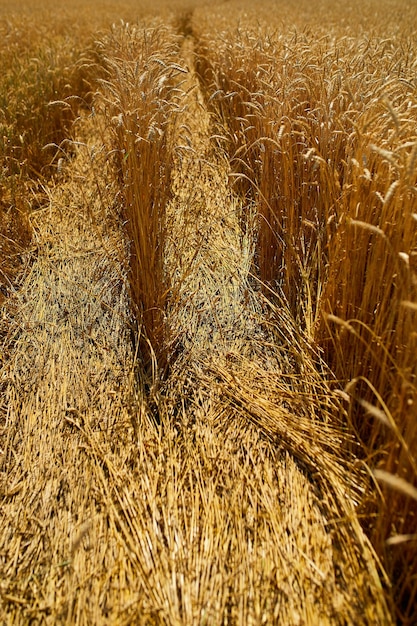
227, 488
139, 101
321, 119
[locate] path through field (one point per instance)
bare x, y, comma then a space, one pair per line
235, 508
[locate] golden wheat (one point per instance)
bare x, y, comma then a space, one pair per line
208, 370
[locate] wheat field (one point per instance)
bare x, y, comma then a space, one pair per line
208, 243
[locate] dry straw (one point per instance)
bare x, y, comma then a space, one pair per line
139, 100
259, 221
322, 139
